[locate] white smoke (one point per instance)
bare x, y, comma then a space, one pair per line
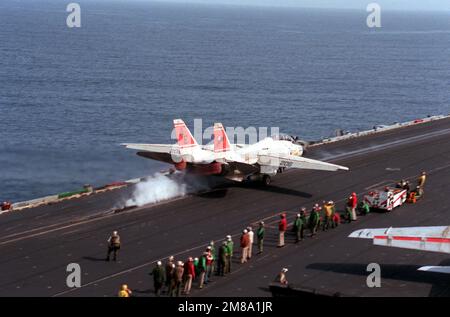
155, 189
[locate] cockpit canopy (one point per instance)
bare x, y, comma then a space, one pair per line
291, 138
284, 137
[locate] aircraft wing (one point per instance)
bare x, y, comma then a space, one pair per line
435, 269
298, 162
167, 153
434, 239
156, 148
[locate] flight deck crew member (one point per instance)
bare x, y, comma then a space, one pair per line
113, 245
189, 273
202, 269
125, 291
314, 218
421, 180
404, 184
336, 219
334, 215
421, 183
197, 268
172, 282
230, 250
304, 222
251, 235
281, 277
418, 192
159, 277
209, 264
327, 215
351, 206
222, 259
169, 271
178, 279
260, 236
407, 187
282, 226
298, 228
245, 241
401, 184
364, 207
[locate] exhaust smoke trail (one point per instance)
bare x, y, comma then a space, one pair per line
155, 189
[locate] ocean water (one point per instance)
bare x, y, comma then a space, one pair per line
69, 97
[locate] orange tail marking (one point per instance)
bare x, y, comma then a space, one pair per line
221, 142
184, 136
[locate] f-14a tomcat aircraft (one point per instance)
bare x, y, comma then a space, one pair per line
434, 239
238, 162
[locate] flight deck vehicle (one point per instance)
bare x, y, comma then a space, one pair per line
386, 199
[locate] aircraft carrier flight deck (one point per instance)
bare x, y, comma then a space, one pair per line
38, 243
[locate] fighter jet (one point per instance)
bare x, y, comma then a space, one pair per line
238, 162
433, 239
263, 159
